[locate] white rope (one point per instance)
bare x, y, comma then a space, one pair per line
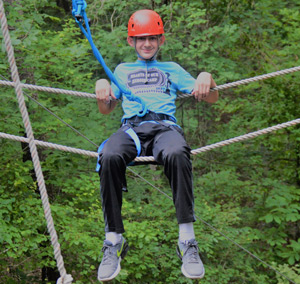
218, 88
151, 158
245, 137
33, 149
249, 80
66, 278
49, 89
50, 145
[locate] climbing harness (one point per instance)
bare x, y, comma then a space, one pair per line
79, 6
80, 16
128, 130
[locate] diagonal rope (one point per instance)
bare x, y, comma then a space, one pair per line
65, 279
204, 149
219, 232
18, 84
55, 115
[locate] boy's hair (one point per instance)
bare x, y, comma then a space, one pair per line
145, 23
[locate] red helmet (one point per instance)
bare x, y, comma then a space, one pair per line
145, 23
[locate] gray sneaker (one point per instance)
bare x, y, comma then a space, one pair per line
192, 266
112, 255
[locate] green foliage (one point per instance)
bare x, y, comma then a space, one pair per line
249, 191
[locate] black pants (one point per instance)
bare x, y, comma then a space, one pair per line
169, 148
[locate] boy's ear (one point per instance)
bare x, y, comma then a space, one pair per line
130, 41
162, 40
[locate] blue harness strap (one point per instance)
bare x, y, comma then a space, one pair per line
136, 140
132, 135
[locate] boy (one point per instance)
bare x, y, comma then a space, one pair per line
156, 133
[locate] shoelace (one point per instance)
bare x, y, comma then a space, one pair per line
107, 255
192, 253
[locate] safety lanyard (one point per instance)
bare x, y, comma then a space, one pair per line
80, 16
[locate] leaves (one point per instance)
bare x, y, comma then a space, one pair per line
248, 190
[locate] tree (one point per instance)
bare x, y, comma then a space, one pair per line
249, 190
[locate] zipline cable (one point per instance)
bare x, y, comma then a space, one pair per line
65, 278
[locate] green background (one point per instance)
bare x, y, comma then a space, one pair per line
250, 191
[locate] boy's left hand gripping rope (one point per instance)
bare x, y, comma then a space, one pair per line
79, 14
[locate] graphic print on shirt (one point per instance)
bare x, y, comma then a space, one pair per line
155, 79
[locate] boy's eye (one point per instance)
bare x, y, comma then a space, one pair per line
151, 38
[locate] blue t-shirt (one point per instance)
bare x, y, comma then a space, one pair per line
155, 82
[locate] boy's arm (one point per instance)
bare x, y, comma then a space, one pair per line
104, 93
202, 86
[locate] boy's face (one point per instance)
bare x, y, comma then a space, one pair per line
146, 46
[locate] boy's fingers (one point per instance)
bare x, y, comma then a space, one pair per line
112, 94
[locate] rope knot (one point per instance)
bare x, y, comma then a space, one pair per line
65, 280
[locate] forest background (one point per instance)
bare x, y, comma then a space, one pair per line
250, 191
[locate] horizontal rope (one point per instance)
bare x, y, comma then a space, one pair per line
50, 145
249, 80
245, 136
49, 89
93, 96
151, 158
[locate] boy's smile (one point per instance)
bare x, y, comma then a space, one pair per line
146, 46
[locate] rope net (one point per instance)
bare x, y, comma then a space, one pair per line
203, 149
64, 278
18, 85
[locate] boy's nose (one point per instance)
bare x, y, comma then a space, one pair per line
147, 41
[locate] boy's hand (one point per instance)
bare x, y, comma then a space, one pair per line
202, 88
104, 94
103, 91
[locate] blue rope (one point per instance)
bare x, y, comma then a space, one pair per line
80, 16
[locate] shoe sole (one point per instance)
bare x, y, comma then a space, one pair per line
192, 276
115, 274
